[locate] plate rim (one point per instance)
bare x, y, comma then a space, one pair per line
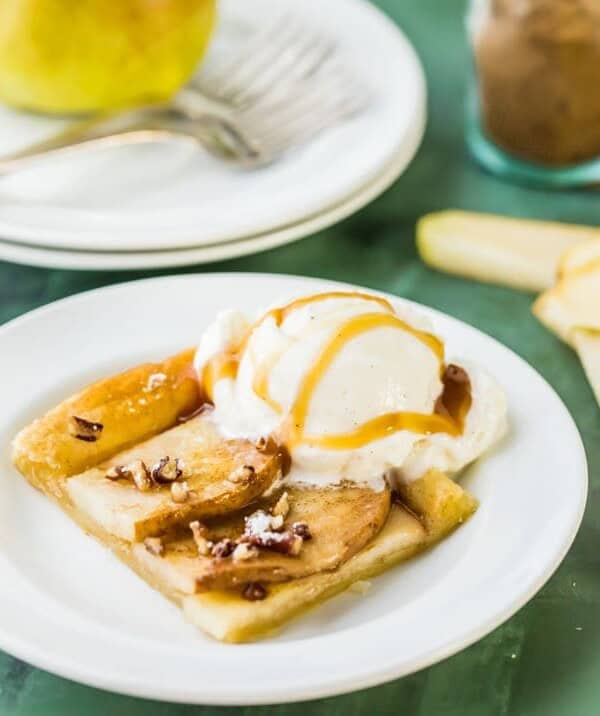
377, 677
14, 251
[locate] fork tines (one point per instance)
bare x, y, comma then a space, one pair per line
287, 82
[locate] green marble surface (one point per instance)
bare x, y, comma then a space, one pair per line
545, 661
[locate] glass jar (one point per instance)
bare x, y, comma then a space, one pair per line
534, 109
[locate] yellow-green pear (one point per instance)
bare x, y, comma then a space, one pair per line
75, 56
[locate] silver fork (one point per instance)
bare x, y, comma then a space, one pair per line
282, 52
285, 86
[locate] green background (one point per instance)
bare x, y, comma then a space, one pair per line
546, 659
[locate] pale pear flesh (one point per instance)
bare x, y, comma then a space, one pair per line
579, 257
573, 303
519, 253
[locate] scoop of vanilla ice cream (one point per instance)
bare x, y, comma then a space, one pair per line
375, 372
485, 425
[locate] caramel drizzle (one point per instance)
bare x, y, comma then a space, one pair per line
226, 364
260, 384
373, 429
450, 411
223, 365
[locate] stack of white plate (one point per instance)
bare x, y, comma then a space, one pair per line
173, 205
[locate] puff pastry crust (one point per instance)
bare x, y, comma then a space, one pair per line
138, 411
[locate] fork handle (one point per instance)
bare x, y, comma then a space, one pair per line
131, 127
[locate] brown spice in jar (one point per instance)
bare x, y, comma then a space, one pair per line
538, 64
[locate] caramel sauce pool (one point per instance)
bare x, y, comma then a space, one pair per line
449, 413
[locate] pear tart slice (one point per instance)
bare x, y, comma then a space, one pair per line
304, 531
117, 460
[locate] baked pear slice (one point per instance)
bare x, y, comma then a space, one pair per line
227, 616
340, 522
520, 253
218, 476
104, 418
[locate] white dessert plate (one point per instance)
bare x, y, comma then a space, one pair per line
68, 606
173, 196
127, 260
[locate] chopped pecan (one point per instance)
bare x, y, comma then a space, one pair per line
254, 592
244, 551
155, 546
199, 533
242, 473
224, 548
117, 472
260, 521
261, 444
140, 475
198, 529
283, 542
180, 491
302, 530
85, 430
167, 470
282, 506
262, 530
136, 471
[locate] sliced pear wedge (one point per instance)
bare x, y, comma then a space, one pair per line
520, 253
573, 303
587, 345
579, 257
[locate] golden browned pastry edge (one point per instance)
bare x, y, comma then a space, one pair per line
47, 454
